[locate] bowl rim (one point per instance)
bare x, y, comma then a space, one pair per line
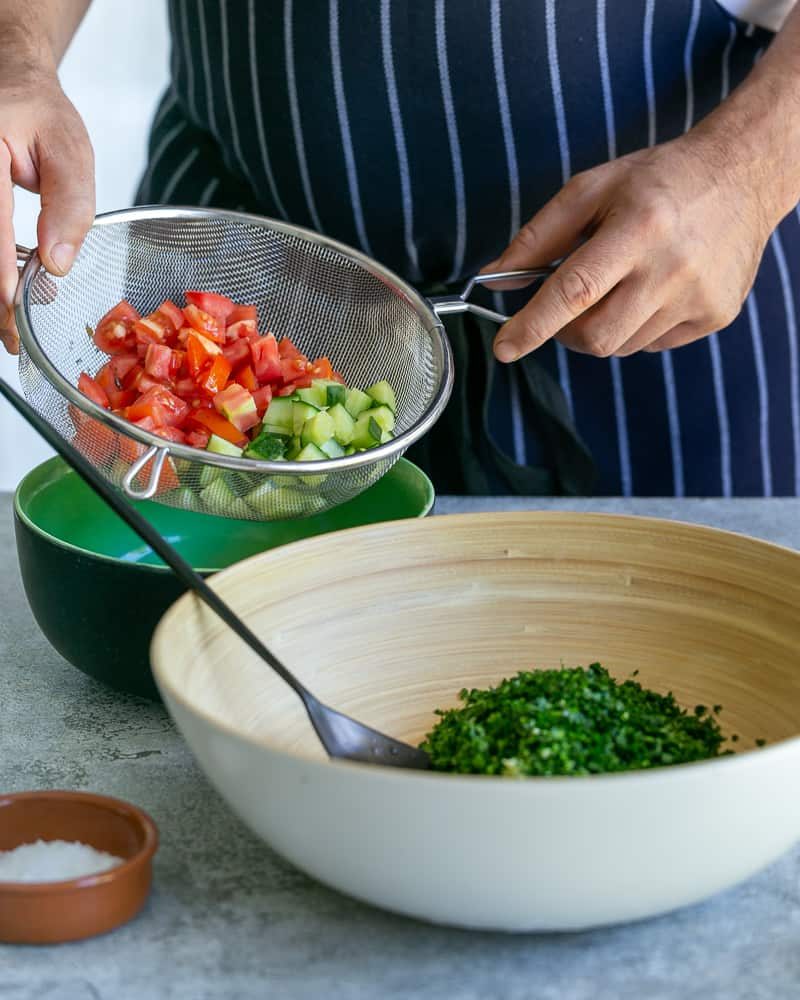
138, 816
409, 467
746, 757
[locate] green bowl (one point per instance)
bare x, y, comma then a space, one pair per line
97, 591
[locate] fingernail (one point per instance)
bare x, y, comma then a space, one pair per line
10, 341
62, 256
506, 351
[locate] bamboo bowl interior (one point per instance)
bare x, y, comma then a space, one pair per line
389, 622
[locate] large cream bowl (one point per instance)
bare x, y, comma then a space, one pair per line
388, 622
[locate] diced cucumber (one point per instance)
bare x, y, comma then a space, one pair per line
182, 498
261, 499
311, 453
356, 402
318, 429
350, 450
367, 432
383, 394
336, 394
383, 417
279, 416
218, 499
387, 436
301, 412
317, 395
274, 430
343, 424
332, 448
269, 447
208, 473
294, 449
220, 446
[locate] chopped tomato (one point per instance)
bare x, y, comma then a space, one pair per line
177, 364
200, 352
185, 373
144, 382
164, 407
238, 406
246, 377
113, 386
216, 378
218, 425
242, 329
237, 352
241, 314
131, 379
114, 333
266, 359
286, 349
296, 370
219, 306
156, 328
198, 438
93, 391
122, 365
158, 362
173, 314
171, 434
186, 388
205, 323
321, 368
96, 441
262, 399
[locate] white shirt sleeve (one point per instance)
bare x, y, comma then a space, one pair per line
765, 13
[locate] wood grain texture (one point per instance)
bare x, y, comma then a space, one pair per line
391, 621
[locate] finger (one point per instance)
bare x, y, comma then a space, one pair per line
8, 254
606, 328
679, 336
586, 277
10, 340
555, 229
656, 327
66, 172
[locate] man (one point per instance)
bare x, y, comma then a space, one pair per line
654, 143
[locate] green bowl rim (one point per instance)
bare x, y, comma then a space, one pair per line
29, 523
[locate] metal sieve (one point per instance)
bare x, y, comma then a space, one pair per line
330, 299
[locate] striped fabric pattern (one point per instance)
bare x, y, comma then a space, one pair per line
425, 132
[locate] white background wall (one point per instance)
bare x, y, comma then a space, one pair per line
113, 73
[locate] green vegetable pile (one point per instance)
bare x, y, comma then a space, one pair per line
571, 721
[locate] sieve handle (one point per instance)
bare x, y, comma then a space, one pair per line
24, 254
158, 456
445, 305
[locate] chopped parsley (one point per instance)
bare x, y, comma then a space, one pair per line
575, 721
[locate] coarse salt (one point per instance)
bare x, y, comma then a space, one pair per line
53, 861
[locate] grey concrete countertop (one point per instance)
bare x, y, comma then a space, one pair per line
228, 919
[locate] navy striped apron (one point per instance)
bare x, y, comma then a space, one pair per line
426, 132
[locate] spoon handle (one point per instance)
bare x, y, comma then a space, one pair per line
148, 533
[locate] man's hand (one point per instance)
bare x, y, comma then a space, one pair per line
44, 148
671, 248
663, 245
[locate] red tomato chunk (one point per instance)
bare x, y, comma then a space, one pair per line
185, 373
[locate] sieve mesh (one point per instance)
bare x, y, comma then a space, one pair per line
330, 300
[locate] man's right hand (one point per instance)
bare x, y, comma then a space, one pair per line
44, 148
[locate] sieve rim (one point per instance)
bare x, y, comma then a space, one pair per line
393, 449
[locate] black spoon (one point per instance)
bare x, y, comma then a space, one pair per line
341, 736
